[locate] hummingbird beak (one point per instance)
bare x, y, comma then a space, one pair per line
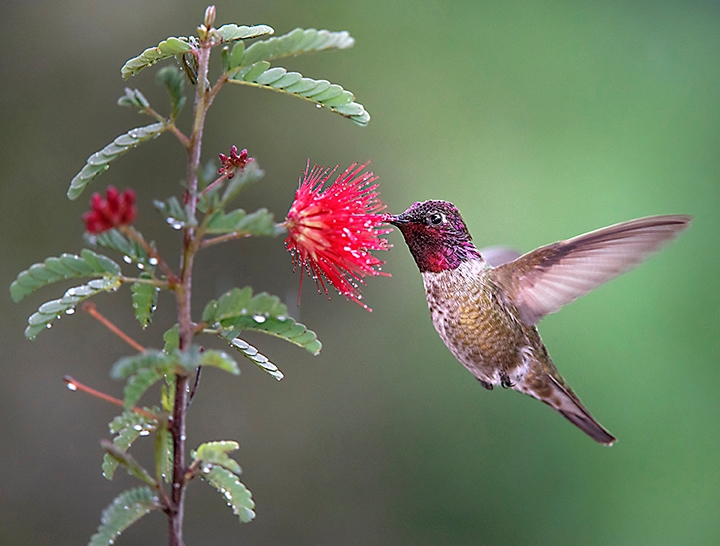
397, 220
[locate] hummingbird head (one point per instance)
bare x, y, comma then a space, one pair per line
436, 236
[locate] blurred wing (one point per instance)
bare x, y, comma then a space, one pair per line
542, 281
495, 256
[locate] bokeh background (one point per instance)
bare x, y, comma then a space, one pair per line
541, 121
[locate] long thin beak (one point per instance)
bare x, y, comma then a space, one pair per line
397, 220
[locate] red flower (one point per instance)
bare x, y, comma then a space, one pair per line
116, 210
332, 229
234, 162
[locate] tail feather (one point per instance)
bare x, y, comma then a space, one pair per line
572, 409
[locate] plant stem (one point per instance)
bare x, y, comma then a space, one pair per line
183, 292
91, 310
75, 385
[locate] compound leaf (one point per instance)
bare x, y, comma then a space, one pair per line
127, 461
164, 50
217, 453
126, 509
239, 310
66, 266
128, 427
260, 222
144, 300
51, 310
295, 42
237, 496
321, 92
231, 32
219, 359
99, 161
252, 354
172, 78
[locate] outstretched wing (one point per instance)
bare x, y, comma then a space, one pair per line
542, 281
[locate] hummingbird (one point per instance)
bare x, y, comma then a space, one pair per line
486, 313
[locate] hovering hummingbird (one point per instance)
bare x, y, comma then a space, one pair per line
486, 315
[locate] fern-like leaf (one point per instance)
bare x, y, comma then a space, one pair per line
239, 310
144, 300
295, 42
321, 92
237, 496
126, 509
66, 266
134, 99
216, 453
164, 454
51, 310
252, 354
172, 78
142, 371
128, 427
261, 222
231, 33
127, 461
219, 359
164, 50
99, 162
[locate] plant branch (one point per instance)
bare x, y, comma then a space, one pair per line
224, 238
75, 385
91, 310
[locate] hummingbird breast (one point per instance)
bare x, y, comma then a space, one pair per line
475, 322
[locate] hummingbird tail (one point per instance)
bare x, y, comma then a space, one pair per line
570, 407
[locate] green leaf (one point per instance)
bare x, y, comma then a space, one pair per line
131, 250
127, 461
260, 222
295, 42
126, 509
144, 298
238, 310
164, 454
231, 33
174, 213
51, 310
128, 427
142, 371
172, 78
66, 266
141, 382
219, 359
99, 162
134, 99
130, 365
216, 453
252, 354
165, 49
237, 496
321, 92
172, 339
249, 175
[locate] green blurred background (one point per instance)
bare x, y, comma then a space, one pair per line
541, 121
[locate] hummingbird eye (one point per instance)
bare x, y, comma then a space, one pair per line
436, 219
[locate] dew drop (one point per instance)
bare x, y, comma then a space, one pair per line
48, 326
318, 106
72, 386
153, 261
127, 259
141, 266
144, 432
70, 311
259, 319
281, 318
137, 427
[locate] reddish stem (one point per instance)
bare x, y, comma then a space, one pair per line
75, 385
91, 310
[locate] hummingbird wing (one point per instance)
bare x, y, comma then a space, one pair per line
497, 255
542, 281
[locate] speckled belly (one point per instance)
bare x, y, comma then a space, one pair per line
472, 321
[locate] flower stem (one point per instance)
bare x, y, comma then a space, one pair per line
91, 310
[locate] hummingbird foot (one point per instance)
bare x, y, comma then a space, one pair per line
488, 386
506, 382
